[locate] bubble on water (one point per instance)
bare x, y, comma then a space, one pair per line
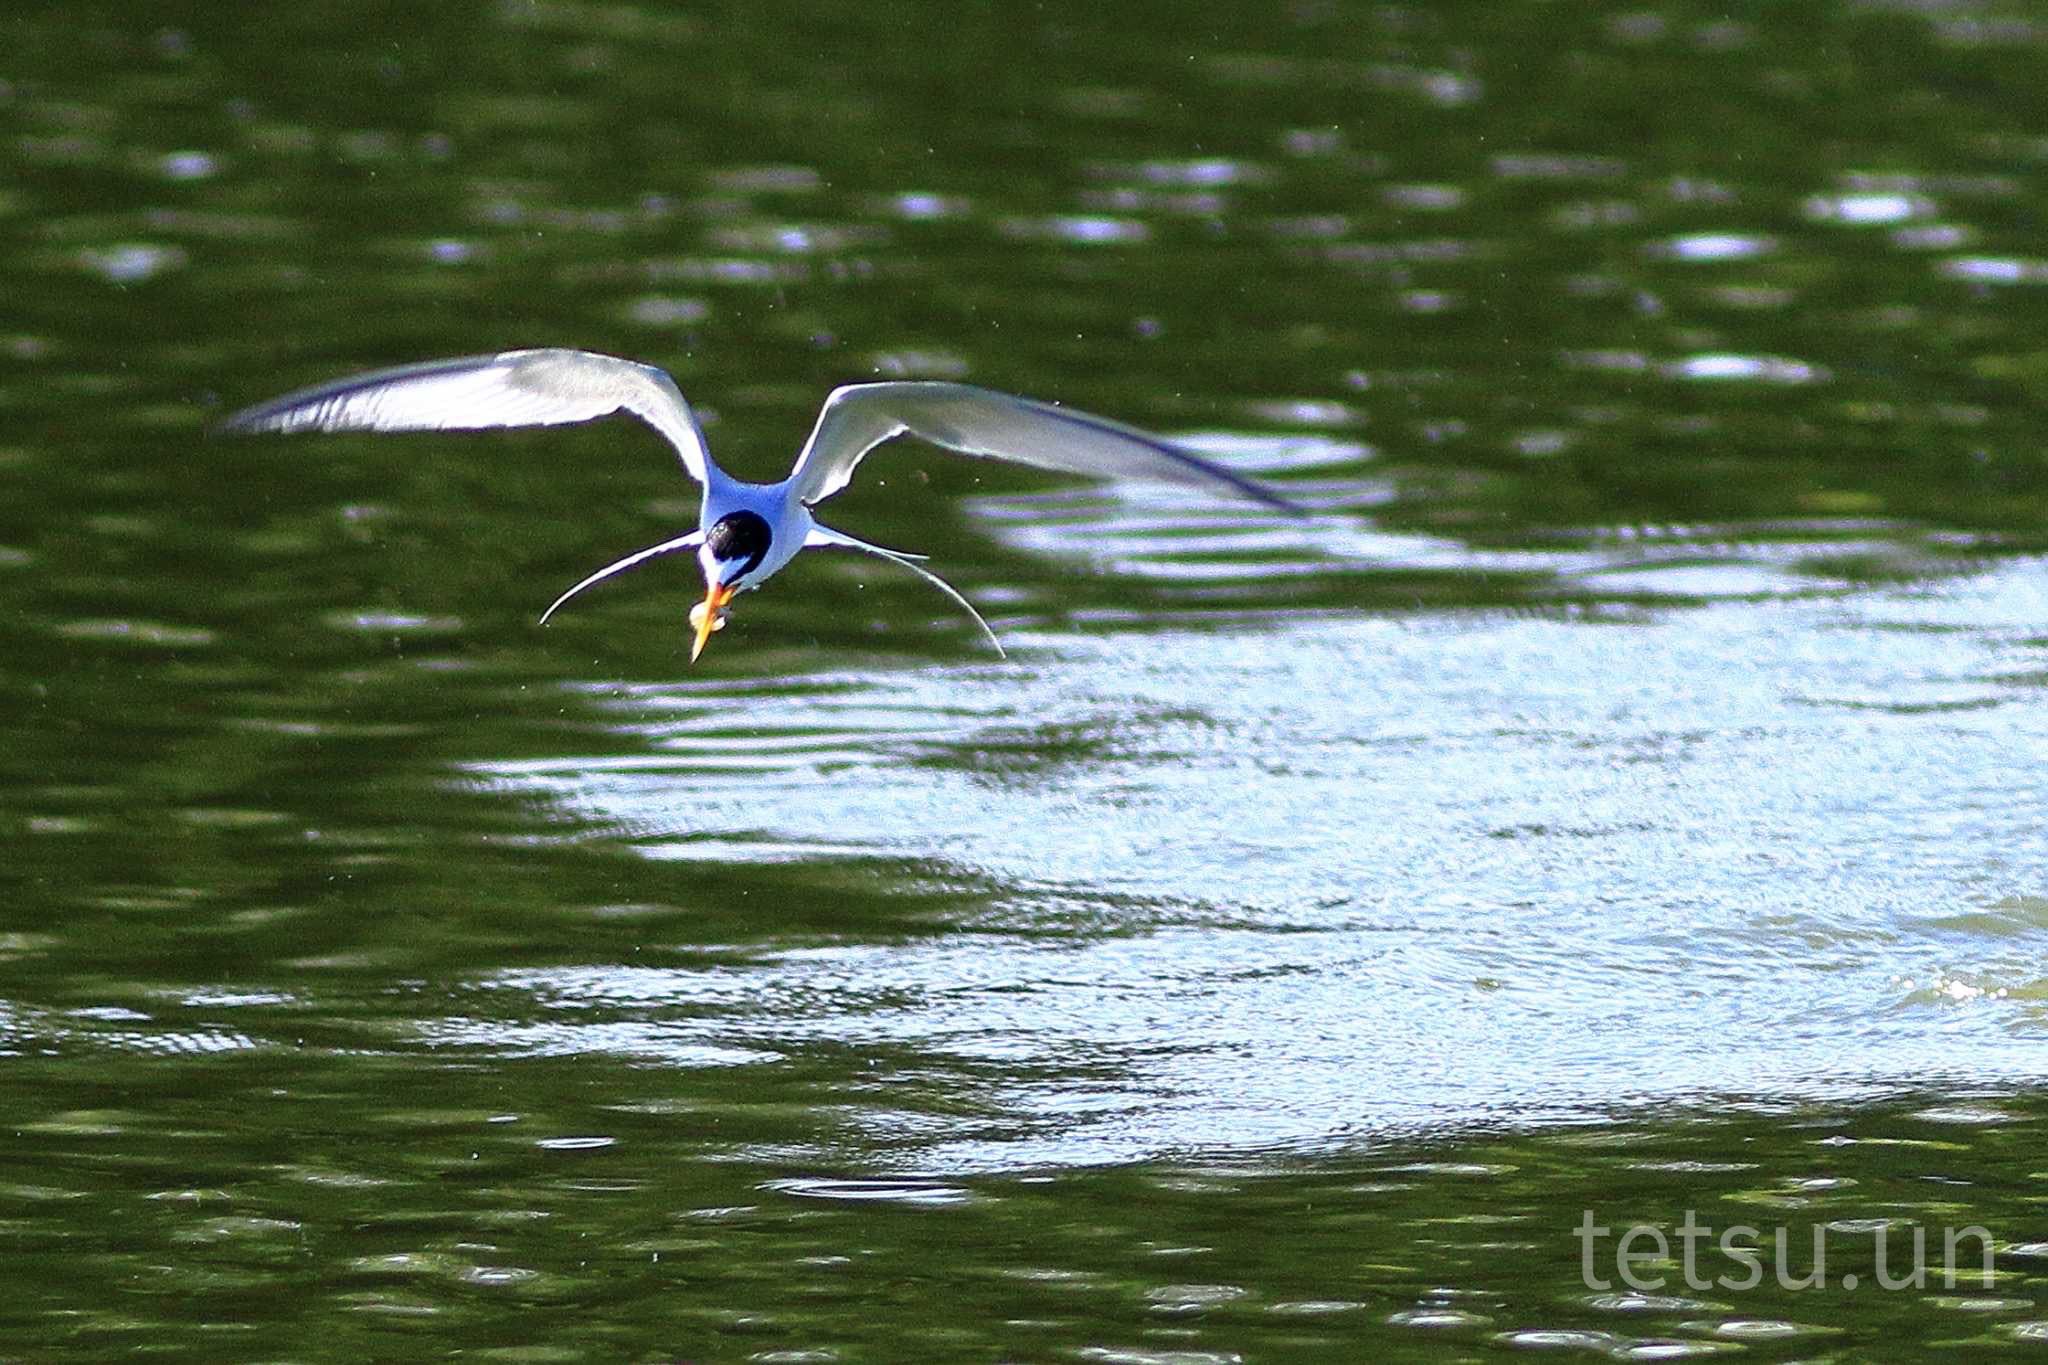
132, 262
1716, 246
187, 165
1866, 210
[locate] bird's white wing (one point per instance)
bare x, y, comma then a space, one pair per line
512, 389
859, 417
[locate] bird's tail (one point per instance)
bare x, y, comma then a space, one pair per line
631, 561
824, 537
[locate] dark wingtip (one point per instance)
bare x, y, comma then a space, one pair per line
1276, 501
1255, 489
260, 417
1252, 488
234, 424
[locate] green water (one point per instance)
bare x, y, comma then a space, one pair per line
1622, 801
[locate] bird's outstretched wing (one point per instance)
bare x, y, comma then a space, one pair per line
511, 389
859, 417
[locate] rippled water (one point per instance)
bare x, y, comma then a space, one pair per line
1533, 848
1621, 799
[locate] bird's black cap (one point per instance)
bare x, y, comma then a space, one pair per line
738, 538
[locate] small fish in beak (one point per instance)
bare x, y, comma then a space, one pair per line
708, 615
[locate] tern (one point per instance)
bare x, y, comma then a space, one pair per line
746, 532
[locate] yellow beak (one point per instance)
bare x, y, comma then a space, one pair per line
709, 616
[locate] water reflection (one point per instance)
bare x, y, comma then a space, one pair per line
1249, 874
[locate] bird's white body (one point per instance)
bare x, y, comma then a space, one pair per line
746, 532
789, 521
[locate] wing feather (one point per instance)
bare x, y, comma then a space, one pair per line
511, 389
858, 417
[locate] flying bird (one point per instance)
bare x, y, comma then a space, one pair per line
745, 532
